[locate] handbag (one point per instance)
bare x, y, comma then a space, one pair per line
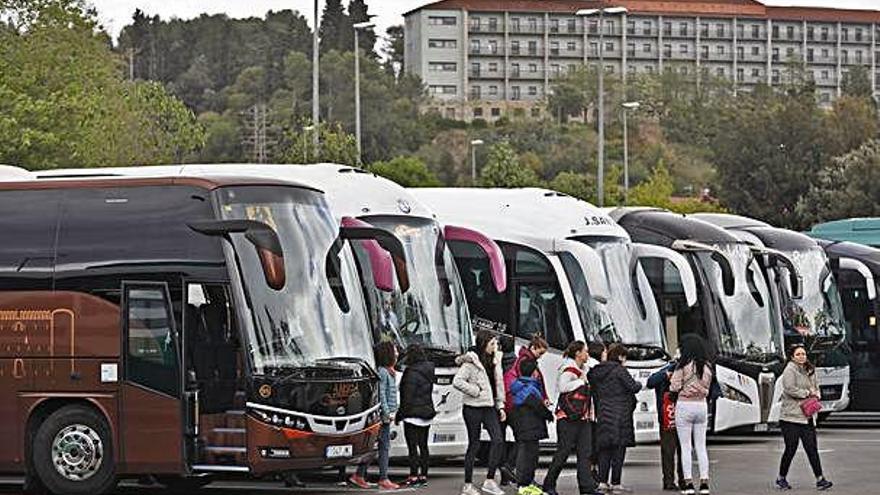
811, 406
667, 414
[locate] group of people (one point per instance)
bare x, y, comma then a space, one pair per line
593, 415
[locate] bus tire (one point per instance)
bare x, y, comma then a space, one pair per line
73, 452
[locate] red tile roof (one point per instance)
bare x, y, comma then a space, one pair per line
720, 8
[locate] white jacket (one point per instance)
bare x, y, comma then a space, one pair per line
473, 381
568, 381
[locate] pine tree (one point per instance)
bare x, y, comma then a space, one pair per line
357, 12
336, 31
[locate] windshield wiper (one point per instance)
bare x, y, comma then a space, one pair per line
649, 351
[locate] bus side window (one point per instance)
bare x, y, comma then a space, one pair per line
482, 298
151, 355
540, 308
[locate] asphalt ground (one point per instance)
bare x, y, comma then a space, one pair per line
740, 464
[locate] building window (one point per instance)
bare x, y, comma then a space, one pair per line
756, 72
719, 72
824, 34
533, 68
756, 31
719, 50
609, 69
740, 52
631, 27
496, 112
705, 51
789, 31
646, 28
809, 55
667, 29
844, 56
609, 47
824, 75
475, 69
514, 47
572, 68
444, 66
555, 70
859, 57
475, 46
493, 24
719, 30
442, 21
646, 48
571, 25
683, 49
594, 27
811, 33
493, 66
533, 48
475, 23
740, 74
775, 76
554, 25
533, 24
478, 112
514, 70
667, 51
475, 92
789, 53
756, 50
514, 24
450, 113
844, 34
533, 91
704, 29
775, 32
683, 29
740, 31
515, 93
594, 49
609, 27
554, 48
493, 47
859, 34
825, 53
776, 54
449, 44
571, 46
443, 90
493, 90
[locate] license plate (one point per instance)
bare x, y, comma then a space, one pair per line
444, 437
336, 451
762, 427
644, 425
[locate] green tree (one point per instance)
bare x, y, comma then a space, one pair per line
336, 30
394, 49
857, 82
575, 184
504, 169
846, 188
358, 12
336, 146
851, 122
408, 171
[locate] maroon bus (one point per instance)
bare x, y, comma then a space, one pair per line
180, 327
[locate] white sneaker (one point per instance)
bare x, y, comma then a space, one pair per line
604, 488
620, 489
469, 489
492, 488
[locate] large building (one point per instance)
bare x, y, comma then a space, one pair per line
485, 58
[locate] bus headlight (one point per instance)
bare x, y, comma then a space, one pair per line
731, 393
282, 420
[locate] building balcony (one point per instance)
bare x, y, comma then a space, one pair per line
485, 74
717, 57
485, 51
526, 29
714, 34
485, 27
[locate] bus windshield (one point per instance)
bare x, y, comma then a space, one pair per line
319, 313
819, 312
750, 331
433, 313
630, 316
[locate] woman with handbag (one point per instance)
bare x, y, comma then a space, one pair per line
690, 384
800, 405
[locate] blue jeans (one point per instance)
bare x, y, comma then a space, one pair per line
384, 451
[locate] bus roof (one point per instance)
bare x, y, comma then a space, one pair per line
861, 230
528, 216
868, 255
769, 236
664, 227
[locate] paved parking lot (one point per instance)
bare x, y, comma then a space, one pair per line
849, 445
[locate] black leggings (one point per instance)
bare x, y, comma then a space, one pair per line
611, 462
792, 433
417, 445
475, 419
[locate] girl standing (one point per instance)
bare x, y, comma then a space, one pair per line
800, 395
481, 383
416, 411
691, 381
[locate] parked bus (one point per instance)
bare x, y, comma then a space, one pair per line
180, 325
734, 313
859, 230
811, 314
858, 293
573, 274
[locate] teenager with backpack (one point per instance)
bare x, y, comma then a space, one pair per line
800, 405
573, 431
670, 449
615, 391
416, 411
529, 419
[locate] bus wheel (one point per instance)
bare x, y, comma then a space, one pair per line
73, 452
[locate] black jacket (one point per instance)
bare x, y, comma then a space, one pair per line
529, 421
416, 391
614, 390
660, 383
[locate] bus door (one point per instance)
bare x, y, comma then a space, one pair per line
150, 408
215, 395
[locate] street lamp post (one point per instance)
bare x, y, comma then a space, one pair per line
357, 85
630, 105
601, 152
474, 144
316, 112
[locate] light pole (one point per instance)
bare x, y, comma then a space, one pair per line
474, 144
630, 105
601, 12
357, 85
316, 112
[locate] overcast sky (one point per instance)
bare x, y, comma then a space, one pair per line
115, 14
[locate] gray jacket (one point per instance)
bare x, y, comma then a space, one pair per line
473, 381
797, 385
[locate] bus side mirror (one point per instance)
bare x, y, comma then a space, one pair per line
794, 277
381, 264
497, 268
863, 270
389, 242
263, 238
685, 273
728, 279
